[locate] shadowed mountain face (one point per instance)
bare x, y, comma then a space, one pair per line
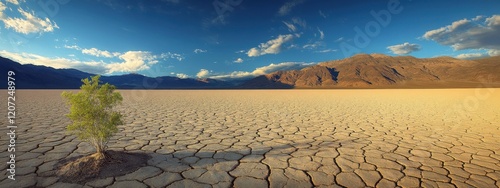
360, 71
40, 77
381, 71
315, 76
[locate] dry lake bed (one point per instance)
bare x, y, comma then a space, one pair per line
273, 138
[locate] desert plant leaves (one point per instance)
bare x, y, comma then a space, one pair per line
91, 111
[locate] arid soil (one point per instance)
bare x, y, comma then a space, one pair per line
273, 138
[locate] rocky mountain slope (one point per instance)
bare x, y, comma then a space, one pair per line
41, 77
381, 71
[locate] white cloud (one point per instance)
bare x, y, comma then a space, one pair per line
478, 55
15, 2
312, 46
494, 52
29, 23
288, 6
281, 67
94, 51
477, 18
199, 51
133, 61
493, 21
270, 47
182, 75
470, 56
74, 47
405, 48
340, 39
469, 34
326, 51
2, 8
130, 61
203, 73
254, 52
170, 55
239, 60
293, 24
99, 53
57, 62
321, 34
290, 26
261, 70
104, 53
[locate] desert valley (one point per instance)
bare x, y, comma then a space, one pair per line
249, 94
276, 138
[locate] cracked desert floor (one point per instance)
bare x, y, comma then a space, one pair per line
275, 138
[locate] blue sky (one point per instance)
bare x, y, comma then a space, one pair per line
238, 38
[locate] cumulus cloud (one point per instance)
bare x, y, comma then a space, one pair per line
405, 48
470, 56
261, 71
270, 47
96, 67
477, 18
199, 51
2, 8
476, 33
239, 60
288, 6
27, 23
15, 2
182, 75
99, 53
131, 61
94, 51
494, 52
104, 53
203, 73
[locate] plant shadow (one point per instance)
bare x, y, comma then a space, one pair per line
129, 163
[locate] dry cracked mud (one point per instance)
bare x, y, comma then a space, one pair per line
275, 138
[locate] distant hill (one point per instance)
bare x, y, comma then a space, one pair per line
359, 71
41, 77
381, 71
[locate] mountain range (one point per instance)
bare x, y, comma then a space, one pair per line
30, 76
359, 71
381, 71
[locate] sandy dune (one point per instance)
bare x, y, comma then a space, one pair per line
277, 138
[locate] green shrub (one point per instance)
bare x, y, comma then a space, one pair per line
92, 113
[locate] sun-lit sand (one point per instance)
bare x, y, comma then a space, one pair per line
277, 138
